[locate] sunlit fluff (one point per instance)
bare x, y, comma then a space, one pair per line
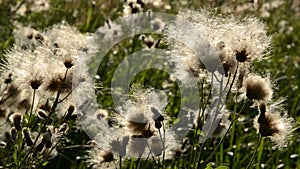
273, 122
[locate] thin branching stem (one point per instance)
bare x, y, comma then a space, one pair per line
222, 139
234, 76
46, 122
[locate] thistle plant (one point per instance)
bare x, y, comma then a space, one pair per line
171, 91
36, 87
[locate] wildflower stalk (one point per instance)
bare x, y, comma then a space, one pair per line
200, 154
234, 76
120, 162
255, 151
32, 105
163, 142
215, 150
222, 139
200, 122
46, 122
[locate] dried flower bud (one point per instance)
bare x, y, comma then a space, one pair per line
44, 116
71, 110
2, 144
17, 118
30, 36
157, 115
69, 63
38, 148
242, 56
54, 84
158, 124
178, 153
13, 134
185, 143
36, 83
26, 134
106, 156
60, 84
149, 41
63, 127
39, 38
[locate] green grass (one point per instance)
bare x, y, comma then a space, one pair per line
236, 150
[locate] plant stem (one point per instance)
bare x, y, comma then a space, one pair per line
32, 105
255, 151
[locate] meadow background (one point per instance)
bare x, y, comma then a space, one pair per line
282, 19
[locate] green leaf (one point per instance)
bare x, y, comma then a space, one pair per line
222, 167
45, 163
208, 166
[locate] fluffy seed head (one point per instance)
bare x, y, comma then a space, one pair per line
269, 123
137, 123
106, 156
258, 88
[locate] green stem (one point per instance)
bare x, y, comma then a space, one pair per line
255, 151
47, 120
32, 105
